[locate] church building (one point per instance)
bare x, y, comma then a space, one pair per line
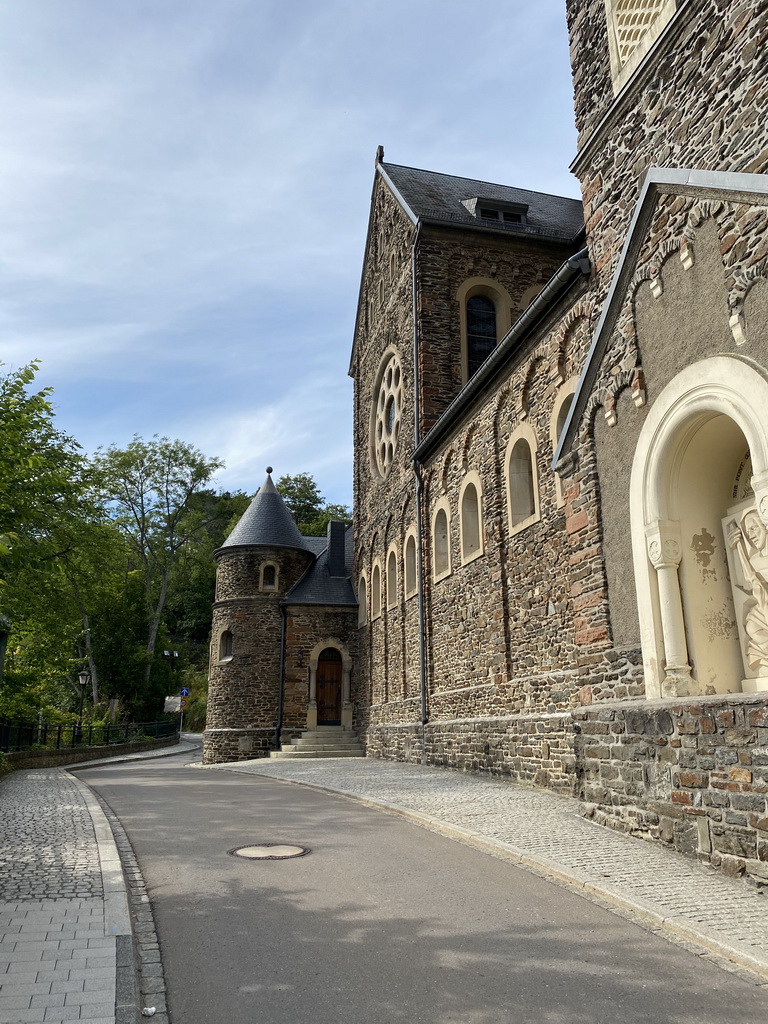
559, 571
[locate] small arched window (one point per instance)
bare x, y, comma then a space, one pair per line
269, 576
392, 265
560, 410
481, 331
522, 479
411, 583
376, 592
362, 602
441, 544
391, 580
471, 525
225, 645
521, 482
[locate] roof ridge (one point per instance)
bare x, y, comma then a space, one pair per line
481, 181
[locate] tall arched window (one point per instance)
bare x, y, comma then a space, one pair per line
471, 520
391, 580
376, 591
481, 331
362, 602
522, 479
225, 645
411, 580
441, 546
560, 410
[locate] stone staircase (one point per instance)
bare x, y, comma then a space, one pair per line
325, 741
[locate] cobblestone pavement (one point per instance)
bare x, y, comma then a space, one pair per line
545, 832
57, 956
66, 914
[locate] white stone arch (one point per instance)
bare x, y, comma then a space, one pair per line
471, 532
503, 303
346, 675
682, 481
517, 481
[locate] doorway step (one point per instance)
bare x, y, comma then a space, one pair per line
325, 741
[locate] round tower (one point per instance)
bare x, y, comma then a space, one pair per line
263, 557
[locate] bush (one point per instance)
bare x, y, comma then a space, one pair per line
5, 765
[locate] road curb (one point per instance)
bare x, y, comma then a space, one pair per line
117, 917
643, 911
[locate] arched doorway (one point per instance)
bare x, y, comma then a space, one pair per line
699, 499
328, 687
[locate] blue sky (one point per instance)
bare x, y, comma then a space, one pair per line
185, 193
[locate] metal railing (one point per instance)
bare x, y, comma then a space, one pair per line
56, 736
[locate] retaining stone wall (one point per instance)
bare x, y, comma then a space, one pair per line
534, 750
52, 758
692, 774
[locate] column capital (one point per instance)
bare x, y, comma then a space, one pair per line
663, 543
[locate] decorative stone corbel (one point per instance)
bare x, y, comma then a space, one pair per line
686, 254
738, 328
657, 285
639, 395
609, 410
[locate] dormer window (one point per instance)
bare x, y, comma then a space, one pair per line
501, 216
497, 212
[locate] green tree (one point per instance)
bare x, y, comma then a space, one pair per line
150, 488
307, 505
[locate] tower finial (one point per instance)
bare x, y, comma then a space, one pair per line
379, 155
269, 469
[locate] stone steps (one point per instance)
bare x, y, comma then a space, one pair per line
325, 741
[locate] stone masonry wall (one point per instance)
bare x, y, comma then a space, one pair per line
446, 260
243, 689
692, 774
533, 750
306, 626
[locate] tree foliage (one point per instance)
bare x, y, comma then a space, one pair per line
307, 505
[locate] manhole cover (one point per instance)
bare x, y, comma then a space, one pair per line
269, 851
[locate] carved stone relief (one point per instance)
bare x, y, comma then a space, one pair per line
747, 538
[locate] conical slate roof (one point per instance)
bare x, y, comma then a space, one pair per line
266, 521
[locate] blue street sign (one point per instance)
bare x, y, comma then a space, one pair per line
184, 691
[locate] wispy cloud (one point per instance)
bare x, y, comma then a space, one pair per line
186, 186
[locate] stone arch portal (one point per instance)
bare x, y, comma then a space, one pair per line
699, 520
330, 671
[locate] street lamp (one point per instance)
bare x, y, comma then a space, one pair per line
84, 678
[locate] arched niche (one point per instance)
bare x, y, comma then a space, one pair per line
688, 494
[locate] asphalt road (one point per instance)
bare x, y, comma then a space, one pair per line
383, 921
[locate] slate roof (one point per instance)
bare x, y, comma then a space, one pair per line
432, 196
317, 586
267, 521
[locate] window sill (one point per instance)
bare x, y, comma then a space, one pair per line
524, 524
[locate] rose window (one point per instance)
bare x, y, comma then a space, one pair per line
387, 415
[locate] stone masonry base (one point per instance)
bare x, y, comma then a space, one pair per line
220, 745
690, 773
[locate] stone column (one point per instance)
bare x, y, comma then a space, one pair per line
312, 705
346, 703
665, 551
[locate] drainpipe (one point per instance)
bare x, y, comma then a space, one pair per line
417, 468
280, 698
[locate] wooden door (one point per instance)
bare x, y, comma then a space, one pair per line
328, 692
